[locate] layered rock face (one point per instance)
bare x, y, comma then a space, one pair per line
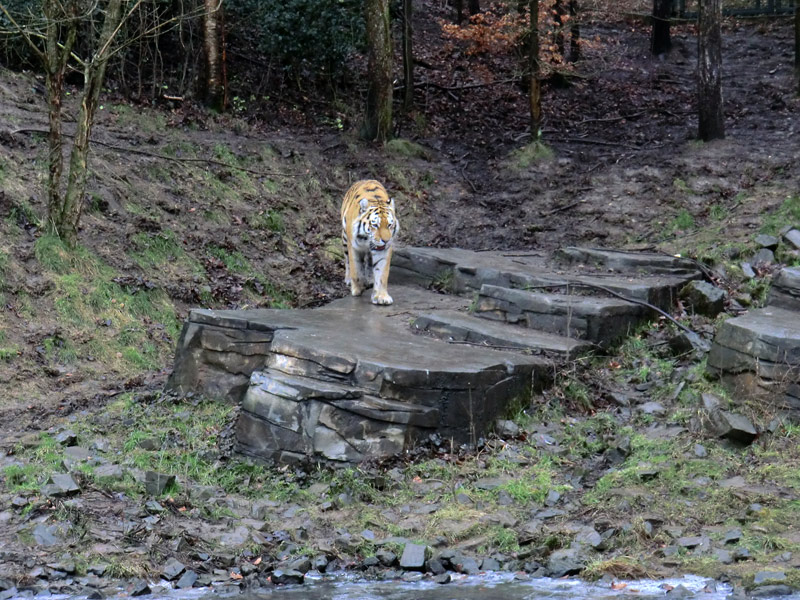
351, 381
757, 355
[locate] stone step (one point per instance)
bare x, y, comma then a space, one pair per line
461, 271
599, 320
290, 419
757, 357
464, 327
627, 262
764, 341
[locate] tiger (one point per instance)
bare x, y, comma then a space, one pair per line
369, 227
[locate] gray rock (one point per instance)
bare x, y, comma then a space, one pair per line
490, 564
692, 542
723, 556
506, 428
552, 498
140, 588
763, 257
732, 426
653, 408
46, 535
466, 565
700, 451
767, 241
63, 485
569, 561
772, 591
173, 569
680, 591
187, 580
769, 578
411, 576
156, 483
785, 289
386, 557
793, 237
442, 578
435, 566
281, 577
747, 270
320, 562
301, 564
413, 558
66, 437
732, 536
704, 298
109, 471
589, 537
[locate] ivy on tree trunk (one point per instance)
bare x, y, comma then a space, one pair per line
709, 70
378, 117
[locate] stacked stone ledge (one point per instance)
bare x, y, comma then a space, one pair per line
351, 381
757, 355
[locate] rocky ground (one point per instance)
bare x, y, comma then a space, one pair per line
107, 482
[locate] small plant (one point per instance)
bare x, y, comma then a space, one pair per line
683, 221
531, 154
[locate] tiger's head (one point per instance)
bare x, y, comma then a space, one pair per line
380, 223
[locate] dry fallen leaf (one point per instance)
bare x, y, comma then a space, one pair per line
618, 585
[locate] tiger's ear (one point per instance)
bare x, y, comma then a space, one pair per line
363, 206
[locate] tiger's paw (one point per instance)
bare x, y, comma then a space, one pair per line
381, 298
356, 289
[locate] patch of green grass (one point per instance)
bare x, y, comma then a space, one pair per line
787, 213
405, 148
157, 250
503, 539
60, 349
717, 212
54, 255
535, 152
271, 220
234, 261
682, 221
680, 185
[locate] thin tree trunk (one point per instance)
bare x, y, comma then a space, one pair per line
474, 7
55, 59
709, 70
535, 92
94, 74
459, 12
660, 42
408, 58
797, 44
575, 32
215, 94
378, 117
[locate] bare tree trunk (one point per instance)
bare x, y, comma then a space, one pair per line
474, 7
378, 117
660, 41
797, 44
55, 59
535, 92
459, 12
215, 93
408, 58
575, 32
67, 220
709, 70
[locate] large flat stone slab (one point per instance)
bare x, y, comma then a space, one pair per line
764, 341
598, 320
627, 262
463, 327
461, 271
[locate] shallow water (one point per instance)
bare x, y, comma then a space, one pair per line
492, 586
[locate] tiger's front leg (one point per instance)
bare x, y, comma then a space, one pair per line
354, 273
381, 260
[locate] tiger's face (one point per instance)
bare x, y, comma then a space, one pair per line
380, 224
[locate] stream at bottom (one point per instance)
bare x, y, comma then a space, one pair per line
499, 586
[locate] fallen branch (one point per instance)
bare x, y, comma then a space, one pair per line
550, 213
177, 159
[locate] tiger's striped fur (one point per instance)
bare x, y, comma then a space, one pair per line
369, 225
